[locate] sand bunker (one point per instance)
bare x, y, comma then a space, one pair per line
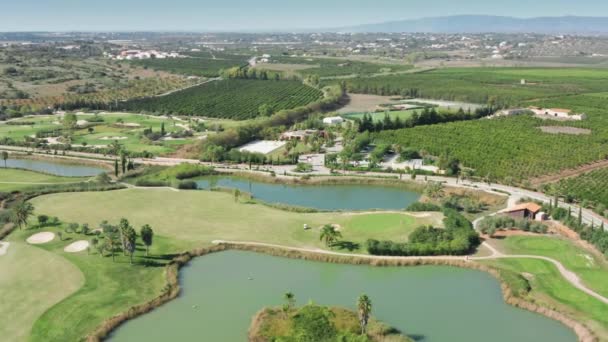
77, 246
4, 247
113, 138
40, 238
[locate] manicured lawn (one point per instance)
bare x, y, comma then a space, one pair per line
381, 226
551, 290
191, 218
32, 280
8, 176
107, 128
199, 217
592, 270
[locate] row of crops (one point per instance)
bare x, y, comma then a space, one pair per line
327, 67
485, 85
195, 66
514, 147
231, 99
592, 186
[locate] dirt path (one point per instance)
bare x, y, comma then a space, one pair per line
569, 173
570, 276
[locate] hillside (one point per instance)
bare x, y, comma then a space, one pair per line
486, 23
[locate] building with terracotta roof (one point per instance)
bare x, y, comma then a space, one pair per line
524, 211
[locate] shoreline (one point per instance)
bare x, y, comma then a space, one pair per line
173, 289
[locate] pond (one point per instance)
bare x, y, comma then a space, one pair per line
222, 291
53, 168
324, 197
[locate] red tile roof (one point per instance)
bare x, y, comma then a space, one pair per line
532, 207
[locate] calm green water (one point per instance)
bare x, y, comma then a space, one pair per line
429, 303
325, 197
57, 169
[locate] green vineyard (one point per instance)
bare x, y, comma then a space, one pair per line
231, 99
514, 147
592, 186
502, 86
327, 67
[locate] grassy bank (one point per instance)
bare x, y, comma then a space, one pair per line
19, 180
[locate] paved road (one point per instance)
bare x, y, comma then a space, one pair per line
515, 193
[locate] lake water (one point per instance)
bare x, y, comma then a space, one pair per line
429, 303
54, 168
325, 197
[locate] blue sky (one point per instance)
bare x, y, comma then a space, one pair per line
251, 15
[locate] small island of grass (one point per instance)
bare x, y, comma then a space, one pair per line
321, 324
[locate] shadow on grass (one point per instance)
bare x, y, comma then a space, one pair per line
347, 245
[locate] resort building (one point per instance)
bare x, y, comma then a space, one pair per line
557, 113
301, 135
333, 120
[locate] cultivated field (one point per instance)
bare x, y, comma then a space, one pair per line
230, 99
194, 66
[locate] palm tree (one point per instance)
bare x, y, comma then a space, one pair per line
21, 212
434, 190
364, 309
290, 300
329, 234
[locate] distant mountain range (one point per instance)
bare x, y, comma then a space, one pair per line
486, 23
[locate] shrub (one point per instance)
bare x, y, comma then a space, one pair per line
420, 206
187, 185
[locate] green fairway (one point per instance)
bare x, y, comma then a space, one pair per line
198, 217
551, 290
32, 280
381, 226
592, 270
126, 128
14, 179
191, 219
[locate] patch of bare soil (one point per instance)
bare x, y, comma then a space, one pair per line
364, 103
552, 178
565, 130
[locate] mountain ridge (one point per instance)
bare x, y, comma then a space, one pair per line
487, 24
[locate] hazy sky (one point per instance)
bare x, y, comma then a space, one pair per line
251, 15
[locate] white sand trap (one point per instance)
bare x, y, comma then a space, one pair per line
113, 138
81, 122
4, 248
77, 246
41, 238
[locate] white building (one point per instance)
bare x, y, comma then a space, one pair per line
333, 120
558, 113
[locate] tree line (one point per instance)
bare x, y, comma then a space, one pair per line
425, 117
457, 238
